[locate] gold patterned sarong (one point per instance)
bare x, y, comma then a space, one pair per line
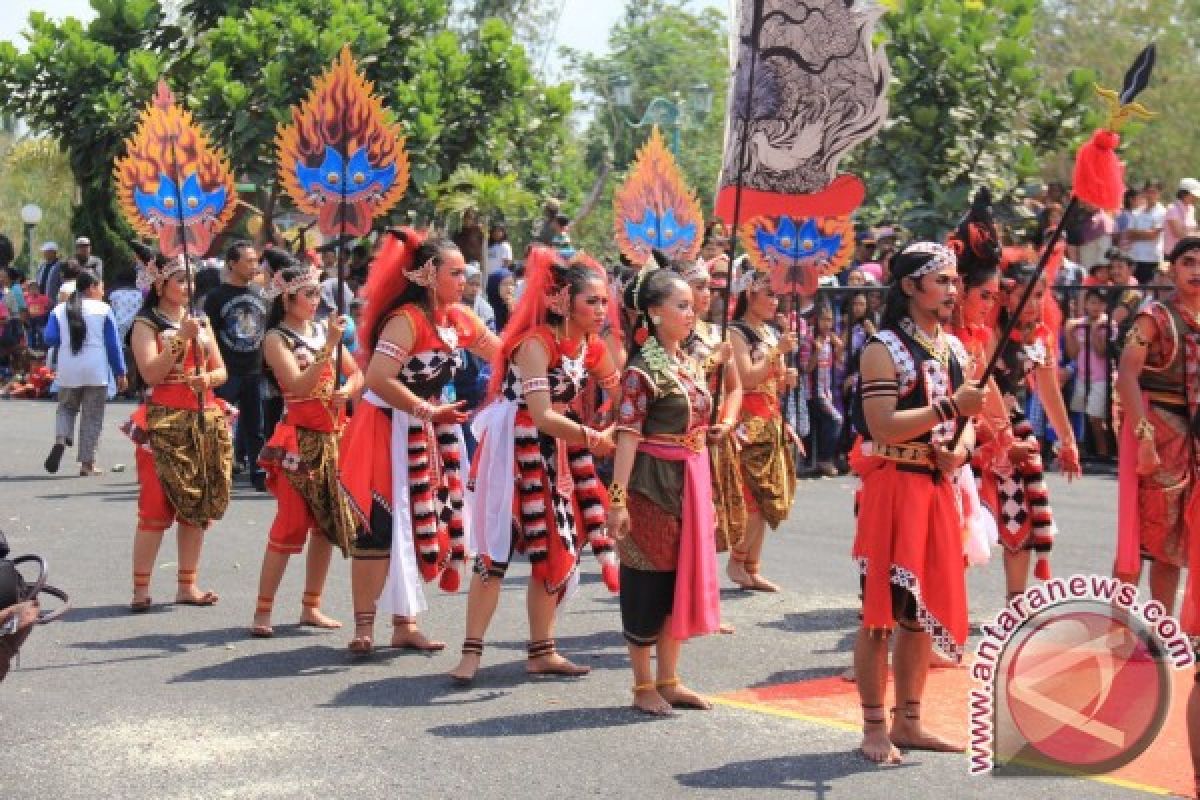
193, 456
727, 493
768, 470
317, 482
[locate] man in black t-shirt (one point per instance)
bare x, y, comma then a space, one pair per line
238, 313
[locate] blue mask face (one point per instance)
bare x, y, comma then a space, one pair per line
663, 233
197, 203
797, 245
362, 180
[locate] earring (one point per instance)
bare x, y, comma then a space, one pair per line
656, 321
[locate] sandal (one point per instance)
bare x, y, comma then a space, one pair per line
141, 581
470, 647
545, 649
363, 643
264, 606
186, 578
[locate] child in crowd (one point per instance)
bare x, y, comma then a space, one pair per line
1086, 343
826, 420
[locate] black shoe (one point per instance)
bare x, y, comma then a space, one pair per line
260, 481
56, 454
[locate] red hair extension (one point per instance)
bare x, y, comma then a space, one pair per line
386, 282
1052, 316
529, 313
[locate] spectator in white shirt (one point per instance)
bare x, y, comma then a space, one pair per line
499, 252
1145, 233
1180, 219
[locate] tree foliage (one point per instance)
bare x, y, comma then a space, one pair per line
35, 170
1107, 35
969, 106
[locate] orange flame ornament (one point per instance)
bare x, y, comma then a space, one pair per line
341, 158
169, 165
655, 209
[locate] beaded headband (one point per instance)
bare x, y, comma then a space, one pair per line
751, 280
151, 273
558, 300
942, 258
697, 272
279, 286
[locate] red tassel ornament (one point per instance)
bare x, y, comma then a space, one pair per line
1099, 174
1041, 570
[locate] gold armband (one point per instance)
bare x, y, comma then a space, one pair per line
323, 356
1135, 337
616, 496
1144, 431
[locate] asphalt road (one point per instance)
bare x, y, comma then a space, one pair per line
180, 703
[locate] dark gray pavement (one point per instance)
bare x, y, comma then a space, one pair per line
180, 703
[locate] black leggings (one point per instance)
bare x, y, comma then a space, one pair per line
647, 599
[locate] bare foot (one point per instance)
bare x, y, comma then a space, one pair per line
727, 629
679, 696
364, 638
877, 747
408, 637
315, 618
191, 596
555, 664
848, 675
649, 701
737, 573
909, 734
261, 627
468, 665
761, 584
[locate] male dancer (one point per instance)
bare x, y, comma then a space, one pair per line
912, 397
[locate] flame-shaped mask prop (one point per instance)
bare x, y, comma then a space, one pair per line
341, 158
173, 185
796, 253
816, 88
655, 209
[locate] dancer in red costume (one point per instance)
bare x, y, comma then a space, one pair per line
301, 456
184, 449
1159, 385
1013, 476
534, 487
401, 457
913, 396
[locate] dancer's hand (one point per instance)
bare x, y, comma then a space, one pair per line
337, 329
451, 413
969, 398
791, 377
948, 461
1020, 451
618, 522
189, 328
340, 398
1148, 461
788, 343
1068, 461
723, 353
602, 444
199, 383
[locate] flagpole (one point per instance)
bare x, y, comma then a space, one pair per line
187, 261
747, 110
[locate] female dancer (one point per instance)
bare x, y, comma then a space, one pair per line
301, 457
529, 441
1014, 484
401, 458
767, 466
704, 345
661, 497
184, 450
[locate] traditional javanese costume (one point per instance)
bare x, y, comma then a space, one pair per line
668, 556
301, 458
1017, 493
403, 476
768, 468
1152, 509
184, 449
908, 544
728, 491
532, 493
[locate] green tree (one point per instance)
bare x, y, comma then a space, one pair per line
1106, 35
75, 83
968, 107
35, 170
664, 47
491, 197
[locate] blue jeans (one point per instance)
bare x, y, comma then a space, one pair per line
245, 392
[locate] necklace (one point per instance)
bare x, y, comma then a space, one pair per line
935, 345
573, 368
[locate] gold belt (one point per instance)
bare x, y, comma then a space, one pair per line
694, 440
916, 453
1169, 398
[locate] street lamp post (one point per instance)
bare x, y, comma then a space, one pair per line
671, 113
31, 215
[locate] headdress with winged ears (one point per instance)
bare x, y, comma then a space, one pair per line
654, 208
390, 274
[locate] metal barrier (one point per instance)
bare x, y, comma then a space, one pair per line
1071, 302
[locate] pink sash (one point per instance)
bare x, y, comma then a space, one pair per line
697, 590
1128, 540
